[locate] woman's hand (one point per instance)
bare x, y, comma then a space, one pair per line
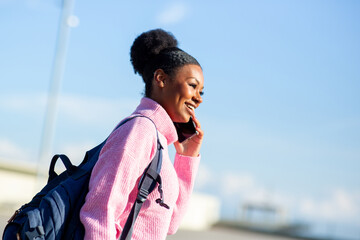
191, 146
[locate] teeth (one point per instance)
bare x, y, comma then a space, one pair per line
191, 107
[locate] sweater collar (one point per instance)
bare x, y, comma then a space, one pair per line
158, 114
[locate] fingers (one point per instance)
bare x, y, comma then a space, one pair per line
192, 145
200, 132
196, 121
178, 147
198, 126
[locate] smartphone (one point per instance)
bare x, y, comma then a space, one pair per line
185, 130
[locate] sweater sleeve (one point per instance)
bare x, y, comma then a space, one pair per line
113, 180
186, 169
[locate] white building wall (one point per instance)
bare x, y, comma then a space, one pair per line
18, 185
202, 213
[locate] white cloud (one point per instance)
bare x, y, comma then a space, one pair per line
9, 150
23, 103
240, 186
338, 205
246, 189
173, 13
92, 111
234, 184
76, 108
204, 176
73, 111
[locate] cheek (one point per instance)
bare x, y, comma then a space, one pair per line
185, 92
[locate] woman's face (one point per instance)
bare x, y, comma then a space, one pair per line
181, 93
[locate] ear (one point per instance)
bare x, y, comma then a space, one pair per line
160, 78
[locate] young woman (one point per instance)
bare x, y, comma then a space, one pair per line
173, 87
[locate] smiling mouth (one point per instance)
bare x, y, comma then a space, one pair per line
192, 108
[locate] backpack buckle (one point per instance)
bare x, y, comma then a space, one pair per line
142, 195
37, 234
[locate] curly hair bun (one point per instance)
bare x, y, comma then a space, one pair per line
148, 45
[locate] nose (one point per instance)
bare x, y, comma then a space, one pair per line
197, 98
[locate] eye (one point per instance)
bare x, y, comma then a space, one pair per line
193, 85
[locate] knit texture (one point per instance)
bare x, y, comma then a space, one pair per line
113, 183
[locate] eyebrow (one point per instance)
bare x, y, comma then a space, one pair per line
202, 89
196, 81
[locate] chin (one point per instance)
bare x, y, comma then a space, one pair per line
181, 119
186, 119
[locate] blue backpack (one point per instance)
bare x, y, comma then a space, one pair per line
54, 212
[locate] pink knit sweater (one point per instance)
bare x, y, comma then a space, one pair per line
113, 183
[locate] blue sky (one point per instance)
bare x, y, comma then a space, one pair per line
281, 108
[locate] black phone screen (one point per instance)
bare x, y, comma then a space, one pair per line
185, 130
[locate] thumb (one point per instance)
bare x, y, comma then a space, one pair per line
178, 146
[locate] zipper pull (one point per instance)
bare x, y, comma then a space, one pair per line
160, 200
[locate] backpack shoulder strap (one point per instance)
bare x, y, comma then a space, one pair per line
92, 155
149, 179
147, 184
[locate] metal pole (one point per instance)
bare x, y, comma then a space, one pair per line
55, 85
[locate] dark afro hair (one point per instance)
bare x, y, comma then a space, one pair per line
147, 46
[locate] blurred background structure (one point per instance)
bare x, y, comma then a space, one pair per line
281, 108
